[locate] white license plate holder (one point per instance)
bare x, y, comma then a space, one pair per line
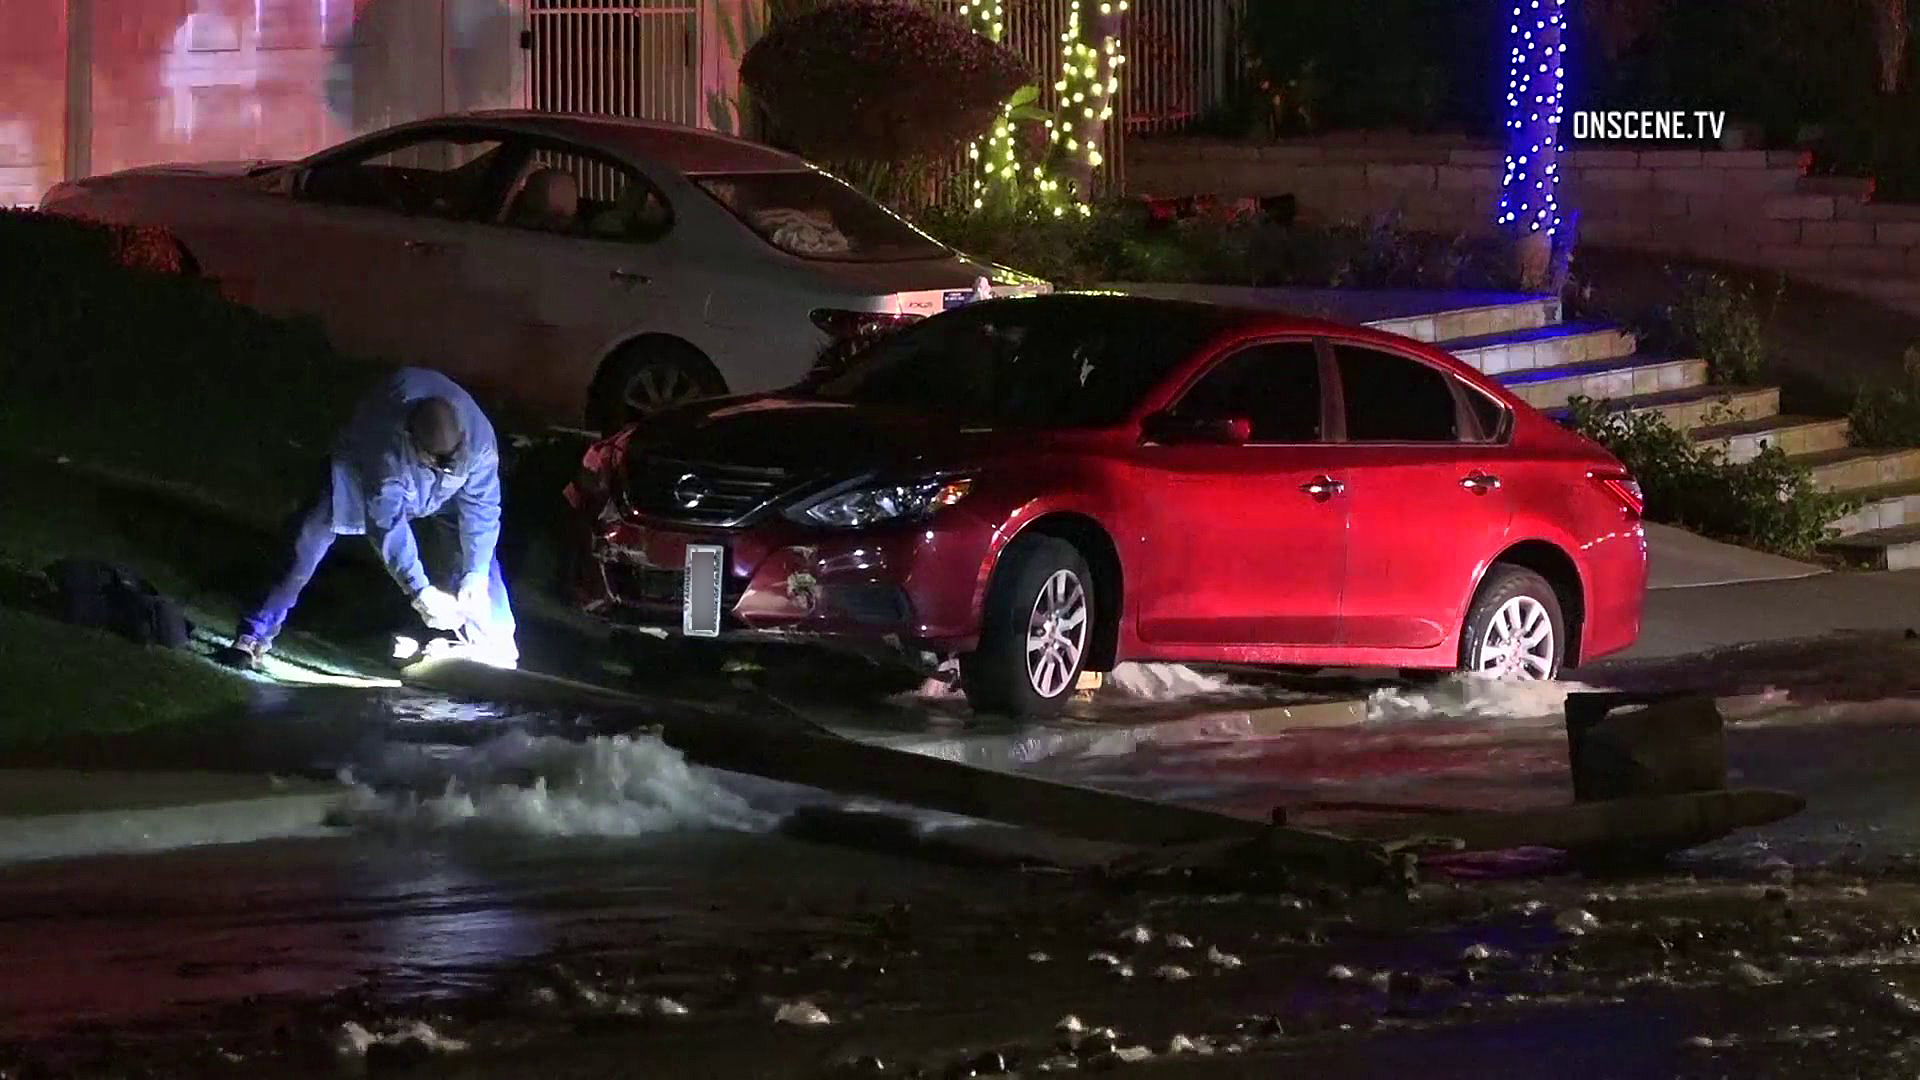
701, 590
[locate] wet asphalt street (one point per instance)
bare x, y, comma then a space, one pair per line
538, 888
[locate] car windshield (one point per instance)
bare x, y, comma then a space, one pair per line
814, 216
1055, 362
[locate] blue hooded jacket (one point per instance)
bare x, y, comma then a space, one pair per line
380, 484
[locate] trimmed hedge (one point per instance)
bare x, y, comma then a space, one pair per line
880, 80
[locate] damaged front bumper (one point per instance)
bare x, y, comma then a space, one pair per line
903, 591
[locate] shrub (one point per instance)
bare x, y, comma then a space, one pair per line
1232, 245
1768, 503
1888, 416
879, 80
1386, 63
1718, 320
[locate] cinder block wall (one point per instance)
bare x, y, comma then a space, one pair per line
1750, 207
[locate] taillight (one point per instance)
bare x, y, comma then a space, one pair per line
843, 325
1624, 488
852, 332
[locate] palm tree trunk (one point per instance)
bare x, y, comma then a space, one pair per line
1529, 208
1890, 31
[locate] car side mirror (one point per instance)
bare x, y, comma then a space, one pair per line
1173, 429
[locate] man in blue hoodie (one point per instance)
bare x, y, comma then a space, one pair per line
415, 445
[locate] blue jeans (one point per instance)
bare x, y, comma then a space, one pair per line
312, 537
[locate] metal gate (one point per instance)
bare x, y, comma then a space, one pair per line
630, 58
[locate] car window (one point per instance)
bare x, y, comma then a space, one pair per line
813, 216
1275, 386
1490, 415
584, 194
1391, 398
444, 176
1043, 362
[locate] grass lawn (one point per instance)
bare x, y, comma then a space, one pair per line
62, 680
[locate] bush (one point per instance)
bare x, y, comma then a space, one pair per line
1237, 245
107, 360
1717, 319
879, 80
1888, 416
1419, 64
1768, 503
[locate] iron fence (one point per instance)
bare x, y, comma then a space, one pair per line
641, 58
636, 58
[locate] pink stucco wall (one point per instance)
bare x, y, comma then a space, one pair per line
239, 79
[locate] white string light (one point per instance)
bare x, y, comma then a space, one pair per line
1536, 100
1089, 83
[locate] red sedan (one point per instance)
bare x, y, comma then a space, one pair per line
1047, 486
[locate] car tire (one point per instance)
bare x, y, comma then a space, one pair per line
667, 372
1034, 573
1513, 599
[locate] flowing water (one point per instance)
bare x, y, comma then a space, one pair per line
505, 876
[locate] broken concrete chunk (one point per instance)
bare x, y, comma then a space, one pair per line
1576, 921
801, 1014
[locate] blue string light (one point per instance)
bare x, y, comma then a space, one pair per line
1536, 103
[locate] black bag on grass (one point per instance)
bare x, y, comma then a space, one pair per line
88, 592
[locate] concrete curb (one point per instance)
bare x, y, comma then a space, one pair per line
62, 813
1040, 742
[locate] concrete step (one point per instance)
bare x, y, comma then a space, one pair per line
1544, 347
1853, 469
1698, 406
1897, 548
1886, 507
1742, 440
1532, 313
1605, 380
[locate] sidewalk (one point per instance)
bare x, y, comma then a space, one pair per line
64, 813
1682, 621
1677, 559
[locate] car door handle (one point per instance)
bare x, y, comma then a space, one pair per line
628, 277
1323, 488
426, 247
1479, 483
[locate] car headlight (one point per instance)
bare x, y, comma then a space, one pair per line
872, 504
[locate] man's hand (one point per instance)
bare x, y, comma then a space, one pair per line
475, 598
438, 609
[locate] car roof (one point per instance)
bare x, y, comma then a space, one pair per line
690, 150
1229, 325
1232, 321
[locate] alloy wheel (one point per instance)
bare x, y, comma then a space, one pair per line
1518, 643
658, 385
1056, 634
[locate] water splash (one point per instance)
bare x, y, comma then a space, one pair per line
1169, 682
1469, 697
615, 786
